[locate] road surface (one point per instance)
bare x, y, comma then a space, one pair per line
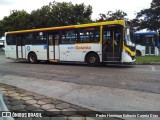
112, 87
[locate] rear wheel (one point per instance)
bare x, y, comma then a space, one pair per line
32, 58
93, 59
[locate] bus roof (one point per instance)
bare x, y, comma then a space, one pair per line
146, 33
122, 22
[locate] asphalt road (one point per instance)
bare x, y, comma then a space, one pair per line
111, 87
144, 78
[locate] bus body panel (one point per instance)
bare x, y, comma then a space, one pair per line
141, 49
126, 57
51, 52
156, 51
29, 48
77, 52
10, 51
41, 51
21, 51
54, 52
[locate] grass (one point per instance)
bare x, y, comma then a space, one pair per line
147, 59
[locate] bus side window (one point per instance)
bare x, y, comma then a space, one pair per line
63, 37
69, 37
50, 39
96, 35
40, 38
29, 38
19, 40
11, 40
139, 40
56, 39
89, 34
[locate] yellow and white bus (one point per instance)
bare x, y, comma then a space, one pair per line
92, 43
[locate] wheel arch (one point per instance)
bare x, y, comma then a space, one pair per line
138, 53
30, 53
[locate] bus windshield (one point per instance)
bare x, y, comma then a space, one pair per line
129, 41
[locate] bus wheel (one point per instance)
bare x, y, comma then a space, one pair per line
32, 58
93, 59
138, 53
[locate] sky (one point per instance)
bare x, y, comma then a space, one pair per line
98, 6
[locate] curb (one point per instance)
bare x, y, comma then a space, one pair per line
146, 63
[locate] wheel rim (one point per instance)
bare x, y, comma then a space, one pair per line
92, 60
32, 59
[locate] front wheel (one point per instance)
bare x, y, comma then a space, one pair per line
32, 58
138, 53
93, 59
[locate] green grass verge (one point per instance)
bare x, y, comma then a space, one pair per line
147, 59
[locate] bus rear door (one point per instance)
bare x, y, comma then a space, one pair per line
20, 46
54, 46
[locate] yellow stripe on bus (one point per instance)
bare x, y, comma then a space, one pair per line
41, 29
128, 50
122, 22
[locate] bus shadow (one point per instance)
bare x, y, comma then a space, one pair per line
78, 64
118, 66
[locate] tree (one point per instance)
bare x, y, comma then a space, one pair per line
54, 14
59, 14
149, 18
118, 15
18, 20
40, 18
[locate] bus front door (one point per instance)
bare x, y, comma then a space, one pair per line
54, 46
111, 47
20, 46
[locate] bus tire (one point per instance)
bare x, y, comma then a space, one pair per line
92, 59
32, 58
138, 53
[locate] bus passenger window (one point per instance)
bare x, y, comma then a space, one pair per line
89, 34
56, 39
50, 39
11, 40
63, 38
29, 39
41, 38
69, 37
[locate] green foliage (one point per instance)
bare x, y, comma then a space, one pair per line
54, 14
149, 18
16, 21
118, 15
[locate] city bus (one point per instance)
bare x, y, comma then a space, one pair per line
93, 43
147, 43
